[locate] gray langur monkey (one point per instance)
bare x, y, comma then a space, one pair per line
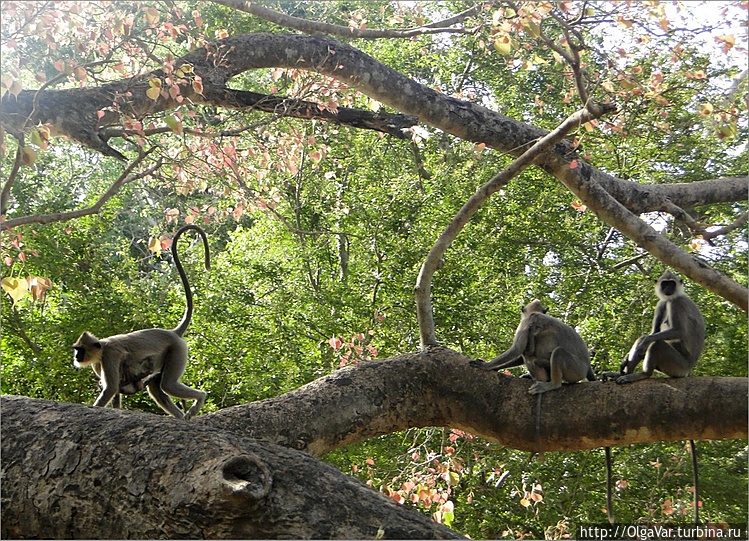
134, 378
672, 347
677, 337
154, 358
130, 383
551, 350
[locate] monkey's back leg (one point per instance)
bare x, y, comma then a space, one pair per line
175, 361
563, 367
162, 399
666, 358
662, 356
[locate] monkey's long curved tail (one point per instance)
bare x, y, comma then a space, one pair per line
182, 327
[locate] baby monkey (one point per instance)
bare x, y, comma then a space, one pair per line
154, 358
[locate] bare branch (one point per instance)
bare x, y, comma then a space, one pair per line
314, 27
381, 121
731, 91
433, 260
5, 196
188, 482
629, 261
727, 229
123, 179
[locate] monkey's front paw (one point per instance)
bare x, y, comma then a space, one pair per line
610, 375
478, 363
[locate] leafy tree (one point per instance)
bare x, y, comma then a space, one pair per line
324, 169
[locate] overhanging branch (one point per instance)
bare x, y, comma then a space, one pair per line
434, 257
217, 63
124, 178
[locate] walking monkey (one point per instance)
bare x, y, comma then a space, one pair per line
155, 358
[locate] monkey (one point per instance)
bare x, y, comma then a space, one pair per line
131, 383
134, 379
551, 350
154, 358
672, 347
677, 337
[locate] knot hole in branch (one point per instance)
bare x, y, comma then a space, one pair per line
248, 475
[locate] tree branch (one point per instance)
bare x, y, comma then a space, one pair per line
123, 179
72, 471
433, 260
381, 121
314, 27
610, 198
18, 160
726, 229
437, 387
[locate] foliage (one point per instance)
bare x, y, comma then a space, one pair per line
318, 231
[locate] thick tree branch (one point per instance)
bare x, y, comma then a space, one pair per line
72, 471
66, 466
582, 183
439, 388
82, 104
613, 200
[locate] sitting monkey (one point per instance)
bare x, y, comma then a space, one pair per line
676, 339
551, 350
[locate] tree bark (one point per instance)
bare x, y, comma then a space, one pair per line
71, 471
77, 471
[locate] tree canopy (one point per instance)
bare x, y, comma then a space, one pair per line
383, 184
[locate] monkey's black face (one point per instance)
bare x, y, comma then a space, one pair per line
78, 354
668, 287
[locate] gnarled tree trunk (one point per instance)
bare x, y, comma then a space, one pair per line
83, 472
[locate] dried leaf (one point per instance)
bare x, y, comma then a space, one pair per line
16, 288
503, 45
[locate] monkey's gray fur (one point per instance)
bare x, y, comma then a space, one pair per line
155, 358
551, 350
